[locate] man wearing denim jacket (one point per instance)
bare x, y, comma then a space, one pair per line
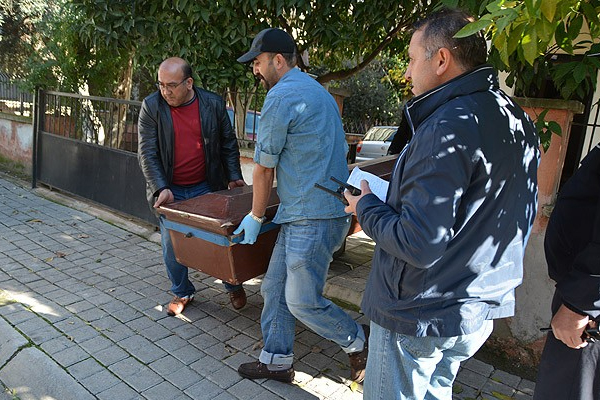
302, 139
451, 234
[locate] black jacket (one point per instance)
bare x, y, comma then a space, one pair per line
156, 147
572, 243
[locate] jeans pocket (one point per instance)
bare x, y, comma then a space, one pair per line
301, 242
418, 347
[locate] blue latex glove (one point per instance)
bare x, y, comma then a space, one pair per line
251, 229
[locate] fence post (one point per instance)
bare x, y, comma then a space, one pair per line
37, 120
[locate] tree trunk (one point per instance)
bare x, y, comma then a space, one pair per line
119, 137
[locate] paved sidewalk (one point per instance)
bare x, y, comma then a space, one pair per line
82, 293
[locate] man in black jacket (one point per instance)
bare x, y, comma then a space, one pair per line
569, 366
187, 148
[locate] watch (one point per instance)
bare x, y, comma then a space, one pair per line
260, 220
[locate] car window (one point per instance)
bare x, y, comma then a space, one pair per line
231, 119
252, 121
380, 133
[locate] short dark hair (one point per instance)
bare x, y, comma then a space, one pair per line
439, 29
186, 69
290, 58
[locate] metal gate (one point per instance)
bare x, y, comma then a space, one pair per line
86, 146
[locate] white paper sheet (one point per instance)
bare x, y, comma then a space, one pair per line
378, 186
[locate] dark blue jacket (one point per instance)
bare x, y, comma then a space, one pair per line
461, 202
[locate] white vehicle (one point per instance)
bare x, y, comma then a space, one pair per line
375, 143
252, 122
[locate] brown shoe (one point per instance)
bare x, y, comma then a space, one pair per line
258, 370
238, 298
358, 360
177, 305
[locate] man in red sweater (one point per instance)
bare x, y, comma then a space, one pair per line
186, 148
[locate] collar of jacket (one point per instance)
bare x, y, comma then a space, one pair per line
163, 103
480, 79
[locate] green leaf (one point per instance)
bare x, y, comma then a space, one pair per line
568, 88
503, 22
575, 27
183, 5
554, 127
530, 46
540, 122
514, 38
548, 8
562, 39
501, 45
473, 28
580, 72
559, 71
205, 14
530, 7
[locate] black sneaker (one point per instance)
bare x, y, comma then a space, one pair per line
358, 360
258, 370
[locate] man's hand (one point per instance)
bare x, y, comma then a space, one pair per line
238, 183
164, 197
251, 229
568, 327
352, 200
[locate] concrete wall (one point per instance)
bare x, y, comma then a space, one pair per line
534, 296
247, 164
16, 141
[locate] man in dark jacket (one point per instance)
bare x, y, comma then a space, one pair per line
451, 234
186, 148
569, 366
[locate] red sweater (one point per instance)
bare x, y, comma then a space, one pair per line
189, 167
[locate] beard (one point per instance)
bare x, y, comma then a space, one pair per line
266, 83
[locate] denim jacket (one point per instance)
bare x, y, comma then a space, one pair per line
302, 137
461, 202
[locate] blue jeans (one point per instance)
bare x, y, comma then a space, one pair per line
406, 367
293, 288
178, 273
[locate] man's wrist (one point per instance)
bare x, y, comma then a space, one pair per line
574, 309
260, 220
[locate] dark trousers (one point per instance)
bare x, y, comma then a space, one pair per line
568, 374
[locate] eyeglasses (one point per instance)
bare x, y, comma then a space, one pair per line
169, 86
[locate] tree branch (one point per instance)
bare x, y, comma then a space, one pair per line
286, 27
345, 73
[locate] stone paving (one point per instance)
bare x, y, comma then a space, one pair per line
82, 296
